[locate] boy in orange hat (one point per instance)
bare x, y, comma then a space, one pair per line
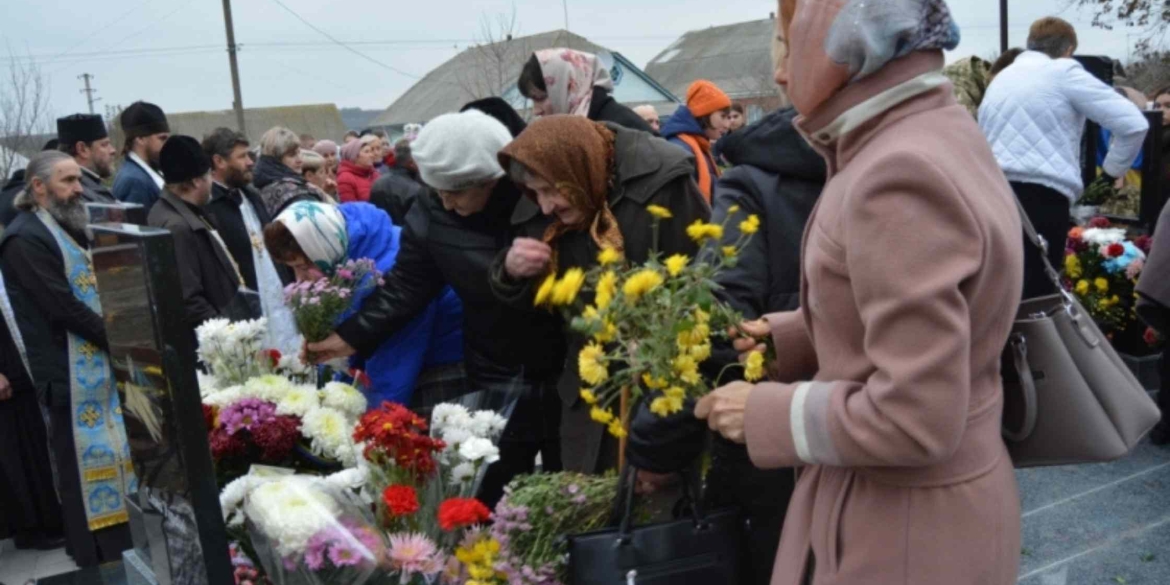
697, 125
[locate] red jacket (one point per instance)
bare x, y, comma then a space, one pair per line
354, 182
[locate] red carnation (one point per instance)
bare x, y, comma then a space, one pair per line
459, 512
1151, 337
1115, 251
401, 500
1099, 222
209, 416
277, 438
273, 357
224, 445
1143, 243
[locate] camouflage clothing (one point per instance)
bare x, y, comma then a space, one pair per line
970, 77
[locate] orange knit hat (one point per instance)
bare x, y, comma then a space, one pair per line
704, 99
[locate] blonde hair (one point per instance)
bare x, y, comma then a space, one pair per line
370, 139
311, 161
279, 142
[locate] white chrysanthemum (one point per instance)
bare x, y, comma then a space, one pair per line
462, 473
479, 449
330, 431
455, 436
271, 387
233, 496
225, 397
1104, 236
292, 365
442, 415
344, 398
487, 423
299, 401
208, 384
290, 511
349, 479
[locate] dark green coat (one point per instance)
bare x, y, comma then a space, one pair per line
648, 171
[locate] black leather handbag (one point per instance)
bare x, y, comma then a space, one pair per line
702, 549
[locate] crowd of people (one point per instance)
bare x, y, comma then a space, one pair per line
887, 270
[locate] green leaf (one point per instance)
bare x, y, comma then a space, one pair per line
1148, 558
1120, 580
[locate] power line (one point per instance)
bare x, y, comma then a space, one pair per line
100, 29
135, 33
347, 47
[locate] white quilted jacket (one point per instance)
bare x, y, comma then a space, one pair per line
1034, 114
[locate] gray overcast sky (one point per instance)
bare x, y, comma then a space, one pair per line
171, 52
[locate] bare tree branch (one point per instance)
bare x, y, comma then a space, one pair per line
1150, 19
24, 110
493, 57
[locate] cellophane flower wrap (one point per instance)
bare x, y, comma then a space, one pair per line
1102, 266
650, 326
309, 531
320, 305
233, 352
425, 478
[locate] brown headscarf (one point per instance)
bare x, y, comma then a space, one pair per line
576, 155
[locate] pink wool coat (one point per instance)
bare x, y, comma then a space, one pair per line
890, 396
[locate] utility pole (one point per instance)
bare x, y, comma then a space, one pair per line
1003, 26
238, 104
88, 91
565, 4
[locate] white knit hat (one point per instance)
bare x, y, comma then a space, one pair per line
458, 151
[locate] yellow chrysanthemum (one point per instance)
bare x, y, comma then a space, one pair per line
676, 263
665, 406
588, 396
590, 313
1082, 287
640, 283
659, 211
701, 352
702, 316
653, 383
754, 367
600, 415
545, 291
609, 256
607, 333
566, 289
697, 335
1072, 266
700, 231
675, 392
1102, 285
750, 225
617, 430
729, 251
606, 289
591, 364
732, 209
687, 369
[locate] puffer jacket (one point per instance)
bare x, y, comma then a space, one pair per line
1034, 116
354, 182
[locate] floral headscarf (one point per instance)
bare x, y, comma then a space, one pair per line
575, 155
569, 78
320, 230
834, 43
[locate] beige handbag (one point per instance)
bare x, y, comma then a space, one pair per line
1069, 398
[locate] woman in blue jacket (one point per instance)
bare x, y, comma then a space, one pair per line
420, 366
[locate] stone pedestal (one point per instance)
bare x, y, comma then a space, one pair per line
177, 525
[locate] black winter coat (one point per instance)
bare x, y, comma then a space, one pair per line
45, 308
224, 209
8, 197
209, 279
440, 248
395, 192
604, 108
648, 171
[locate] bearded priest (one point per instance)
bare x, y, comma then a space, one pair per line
45, 258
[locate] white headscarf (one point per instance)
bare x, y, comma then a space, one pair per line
320, 231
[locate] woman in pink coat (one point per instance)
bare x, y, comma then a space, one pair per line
887, 392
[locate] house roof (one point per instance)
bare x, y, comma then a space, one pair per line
482, 71
736, 57
320, 120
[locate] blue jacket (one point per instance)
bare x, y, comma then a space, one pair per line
134, 185
434, 337
683, 122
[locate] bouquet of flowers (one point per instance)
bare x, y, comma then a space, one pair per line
537, 511
318, 306
234, 352
271, 420
426, 481
651, 325
310, 531
1101, 268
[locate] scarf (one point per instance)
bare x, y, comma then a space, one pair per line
704, 162
569, 78
99, 437
576, 156
835, 43
320, 231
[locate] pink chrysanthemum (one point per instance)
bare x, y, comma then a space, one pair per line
412, 553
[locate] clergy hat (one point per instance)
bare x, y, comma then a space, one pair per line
183, 159
81, 128
143, 119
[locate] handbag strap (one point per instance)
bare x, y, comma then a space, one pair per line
624, 503
1018, 345
1038, 241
